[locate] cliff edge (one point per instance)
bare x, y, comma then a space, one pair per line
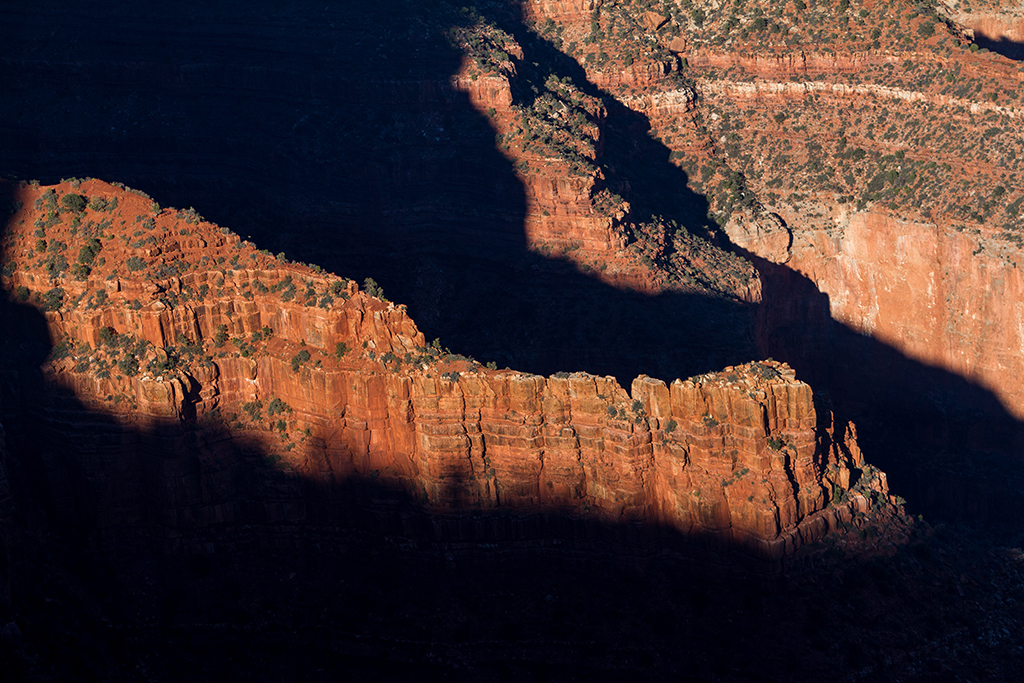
168, 325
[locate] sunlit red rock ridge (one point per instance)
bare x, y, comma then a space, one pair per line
165, 322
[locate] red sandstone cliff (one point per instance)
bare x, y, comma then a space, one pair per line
179, 325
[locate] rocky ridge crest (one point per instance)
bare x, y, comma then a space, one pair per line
182, 329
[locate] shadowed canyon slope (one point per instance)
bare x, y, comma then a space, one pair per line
866, 158
272, 420
586, 192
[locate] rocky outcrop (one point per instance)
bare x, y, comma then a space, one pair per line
325, 382
792, 90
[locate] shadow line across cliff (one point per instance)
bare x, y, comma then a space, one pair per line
1011, 49
332, 133
949, 445
171, 551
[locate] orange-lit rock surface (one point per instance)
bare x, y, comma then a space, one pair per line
883, 169
1007, 24
181, 330
868, 147
946, 298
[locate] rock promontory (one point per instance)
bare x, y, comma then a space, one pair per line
205, 348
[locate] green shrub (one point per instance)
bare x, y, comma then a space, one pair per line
101, 204
299, 358
129, 365
55, 264
74, 202
253, 409
278, 407
371, 287
62, 349
87, 254
53, 299
135, 263
109, 336
288, 291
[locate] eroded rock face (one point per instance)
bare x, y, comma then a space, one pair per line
229, 366
897, 164
909, 238
1001, 30
934, 294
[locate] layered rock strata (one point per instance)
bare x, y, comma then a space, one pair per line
237, 363
909, 226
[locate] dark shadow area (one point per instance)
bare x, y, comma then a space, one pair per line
332, 133
948, 445
173, 552
1011, 49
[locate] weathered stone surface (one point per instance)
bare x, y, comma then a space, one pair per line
335, 387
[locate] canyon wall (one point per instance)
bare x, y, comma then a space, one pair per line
1000, 31
906, 227
937, 295
281, 369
